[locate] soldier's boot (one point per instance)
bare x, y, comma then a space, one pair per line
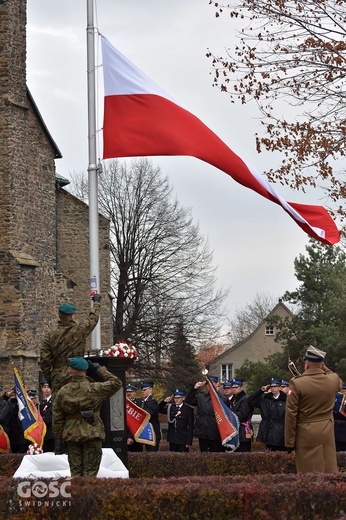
60, 446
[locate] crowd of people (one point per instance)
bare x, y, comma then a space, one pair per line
191, 414
295, 415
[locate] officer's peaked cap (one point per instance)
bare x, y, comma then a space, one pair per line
314, 354
147, 384
131, 388
179, 393
275, 382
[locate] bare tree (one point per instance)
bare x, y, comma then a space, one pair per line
246, 320
162, 272
293, 51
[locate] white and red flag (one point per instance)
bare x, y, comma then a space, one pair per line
141, 119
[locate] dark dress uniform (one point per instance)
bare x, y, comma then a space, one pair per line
151, 406
205, 423
239, 404
68, 340
180, 425
339, 423
83, 436
46, 411
272, 426
11, 424
135, 446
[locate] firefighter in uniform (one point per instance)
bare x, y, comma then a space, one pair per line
180, 421
76, 415
309, 426
150, 405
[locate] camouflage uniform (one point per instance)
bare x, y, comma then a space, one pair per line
68, 340
83, 440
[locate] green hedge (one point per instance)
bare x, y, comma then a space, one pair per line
257, 497
217, 486
167, 464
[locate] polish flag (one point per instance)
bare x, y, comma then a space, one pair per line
141, 119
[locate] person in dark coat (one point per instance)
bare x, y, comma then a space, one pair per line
180, 421
205, 423
272, 404
239, 404
150, 405
45, 408
340, 419
132, 445
9, 420
227, 392
284, 386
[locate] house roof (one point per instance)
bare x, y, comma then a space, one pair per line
240, 343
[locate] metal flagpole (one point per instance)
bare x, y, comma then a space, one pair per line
93, 171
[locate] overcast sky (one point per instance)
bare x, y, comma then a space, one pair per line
254, 241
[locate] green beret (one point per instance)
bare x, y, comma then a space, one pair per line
78, 363
67, 308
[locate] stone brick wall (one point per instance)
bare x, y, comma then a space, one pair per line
73, 258
44, 256
27, 208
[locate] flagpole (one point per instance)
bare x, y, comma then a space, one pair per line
93, 171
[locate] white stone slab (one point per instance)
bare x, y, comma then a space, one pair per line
49, 465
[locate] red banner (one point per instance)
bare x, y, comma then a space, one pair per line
137, 421
227, 421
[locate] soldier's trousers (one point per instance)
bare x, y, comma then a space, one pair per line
84, 457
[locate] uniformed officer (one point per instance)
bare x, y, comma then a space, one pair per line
227, 393
132, 445
180, 418
150, 405
68, 340
76, 415
206, 428
46, 408
284, 386
339, 413
272, 403
309, 428
239, 404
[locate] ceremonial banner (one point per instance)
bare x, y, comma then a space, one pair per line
141, 119
137, 421
4, 441
31, 420
227, 421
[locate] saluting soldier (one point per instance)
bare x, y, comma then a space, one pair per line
180, 421
309, 428
76, 415
67, 340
